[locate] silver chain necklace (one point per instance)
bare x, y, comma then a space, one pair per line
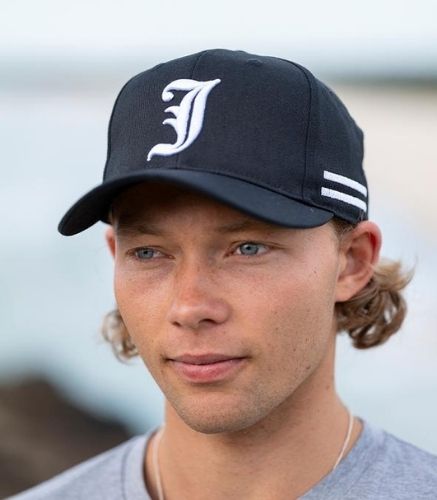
158, 437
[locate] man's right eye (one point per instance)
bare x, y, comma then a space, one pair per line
144, 253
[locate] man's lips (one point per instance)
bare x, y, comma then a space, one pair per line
209, 367
203, 359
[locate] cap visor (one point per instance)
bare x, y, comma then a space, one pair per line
252, 199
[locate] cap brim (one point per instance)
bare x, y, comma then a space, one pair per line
252, 199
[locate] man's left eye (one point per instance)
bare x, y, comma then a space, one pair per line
250, 248
144, 253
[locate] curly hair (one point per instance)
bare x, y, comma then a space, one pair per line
378, 310
369, 318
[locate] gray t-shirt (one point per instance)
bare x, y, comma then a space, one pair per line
380, 466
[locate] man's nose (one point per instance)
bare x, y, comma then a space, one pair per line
197, 301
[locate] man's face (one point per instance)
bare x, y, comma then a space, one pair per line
254, 305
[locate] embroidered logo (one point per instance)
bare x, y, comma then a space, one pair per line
188, 116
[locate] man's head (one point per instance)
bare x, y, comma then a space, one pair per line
194, 277
238, 212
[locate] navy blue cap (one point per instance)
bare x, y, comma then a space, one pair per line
258, 133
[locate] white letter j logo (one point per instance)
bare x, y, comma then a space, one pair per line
194, 101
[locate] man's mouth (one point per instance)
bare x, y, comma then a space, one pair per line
207, 367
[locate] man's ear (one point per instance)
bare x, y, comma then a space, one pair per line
110, 240
359, 253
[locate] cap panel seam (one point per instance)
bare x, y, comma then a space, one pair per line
307, 134
307, 137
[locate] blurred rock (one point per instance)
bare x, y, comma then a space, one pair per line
42, 434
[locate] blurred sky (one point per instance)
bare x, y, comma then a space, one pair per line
375, 36
62, 64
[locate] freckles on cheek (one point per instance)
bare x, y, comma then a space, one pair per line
124, 288
300, 306
139, 307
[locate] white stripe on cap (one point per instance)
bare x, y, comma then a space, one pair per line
347, 198
341, 179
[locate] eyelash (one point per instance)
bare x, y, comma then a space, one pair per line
133, 252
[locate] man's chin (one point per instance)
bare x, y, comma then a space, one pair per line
216, 426
215, 420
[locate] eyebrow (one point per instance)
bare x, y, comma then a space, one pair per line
148, 228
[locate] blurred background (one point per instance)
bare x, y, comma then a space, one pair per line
63, 395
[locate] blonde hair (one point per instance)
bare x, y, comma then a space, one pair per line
378, 310
369, 318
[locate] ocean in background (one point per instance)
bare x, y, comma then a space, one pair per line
55, 290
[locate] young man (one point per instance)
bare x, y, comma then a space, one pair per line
237, 209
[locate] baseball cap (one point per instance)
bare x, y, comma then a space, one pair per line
258, 133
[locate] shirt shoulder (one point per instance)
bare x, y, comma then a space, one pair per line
380, 466
398, 469
409, 456
403, 471
102, 477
